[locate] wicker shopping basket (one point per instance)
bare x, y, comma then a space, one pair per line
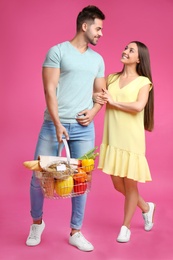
63, 177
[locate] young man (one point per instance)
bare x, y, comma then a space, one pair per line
72, 72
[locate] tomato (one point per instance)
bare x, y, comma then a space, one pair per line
80, 188
88, 165
81, 176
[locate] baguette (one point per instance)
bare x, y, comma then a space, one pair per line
33, 165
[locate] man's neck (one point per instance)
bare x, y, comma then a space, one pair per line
79, 43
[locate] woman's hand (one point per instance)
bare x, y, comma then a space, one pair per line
98, 97
107, 97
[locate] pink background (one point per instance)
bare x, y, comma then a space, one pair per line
28, 30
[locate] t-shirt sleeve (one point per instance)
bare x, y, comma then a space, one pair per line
101, 71
146, 81
111, 78
52, 59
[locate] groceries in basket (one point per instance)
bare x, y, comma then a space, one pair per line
62, 177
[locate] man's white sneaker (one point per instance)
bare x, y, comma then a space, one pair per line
34, 237
148, 217
80, 242
124, 235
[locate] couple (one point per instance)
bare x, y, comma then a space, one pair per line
74, 85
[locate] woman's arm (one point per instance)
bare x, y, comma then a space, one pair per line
130, 107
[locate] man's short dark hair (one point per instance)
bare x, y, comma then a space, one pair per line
90, 12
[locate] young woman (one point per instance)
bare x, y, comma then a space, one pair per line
129, 112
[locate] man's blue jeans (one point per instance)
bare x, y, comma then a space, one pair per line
81, 140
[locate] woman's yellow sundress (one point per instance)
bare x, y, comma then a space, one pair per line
122, 152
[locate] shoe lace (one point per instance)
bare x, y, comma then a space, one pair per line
34, 234
146, 218
82, 238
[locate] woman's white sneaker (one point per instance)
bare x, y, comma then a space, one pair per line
34, 237
80, 242
124, 235
149, 216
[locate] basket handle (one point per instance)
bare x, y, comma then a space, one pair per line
60, 147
